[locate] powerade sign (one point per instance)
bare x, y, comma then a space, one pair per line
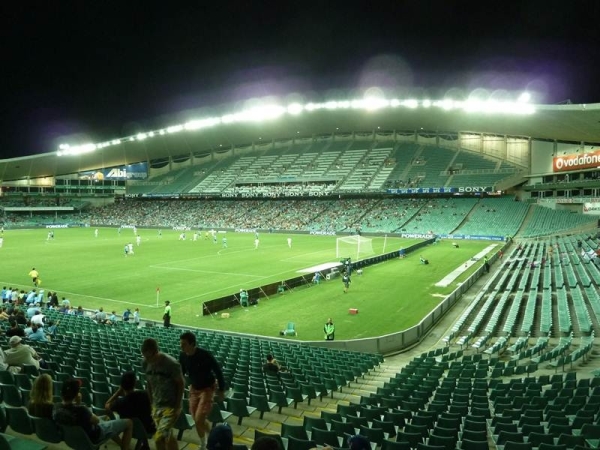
442, 190
137, 171
471, 237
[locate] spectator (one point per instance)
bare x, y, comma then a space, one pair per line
266, 443
204, 373
165, 386
72, 412
15, 329
220, 438
41, 402
19, 354
271, 366
37, 334
130, 403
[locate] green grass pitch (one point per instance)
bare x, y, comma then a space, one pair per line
94, 272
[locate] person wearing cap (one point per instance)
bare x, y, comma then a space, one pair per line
167, 314
204, 373
19, 353
73, 413
220, 438
165, 385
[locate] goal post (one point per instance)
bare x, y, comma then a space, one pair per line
355, 247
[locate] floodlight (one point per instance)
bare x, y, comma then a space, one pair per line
141, 136
410, 103
115, 142
426, 103
174, 129
524, 97
295, 109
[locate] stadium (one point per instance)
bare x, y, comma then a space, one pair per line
469, 229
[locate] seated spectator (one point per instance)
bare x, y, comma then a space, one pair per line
220, 438
19, 354
267, 443
20, 318
126, 315
72, 412
15, 329
31, 310
130, 403
41, 402
100, 316
112, 319
38, 319
272, 366
37, 334
79, 311
52, 329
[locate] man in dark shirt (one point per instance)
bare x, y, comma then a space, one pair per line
130, 404
204, 372
271, 366
72, 412
15, 330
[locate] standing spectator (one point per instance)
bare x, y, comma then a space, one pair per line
130, 403
41, 398
72, 412
329, 330
165, 386
204, 372
167, 314
136, 317
486, 265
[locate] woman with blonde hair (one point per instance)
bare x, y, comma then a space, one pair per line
41, 402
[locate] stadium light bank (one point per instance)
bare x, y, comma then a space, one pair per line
273, 111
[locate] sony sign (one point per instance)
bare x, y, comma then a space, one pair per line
475, 189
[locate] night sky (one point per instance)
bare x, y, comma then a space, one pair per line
96, 70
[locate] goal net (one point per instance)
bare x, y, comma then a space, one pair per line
355, 247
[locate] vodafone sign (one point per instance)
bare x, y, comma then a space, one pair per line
576, 161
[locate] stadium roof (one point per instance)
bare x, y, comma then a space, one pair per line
566, 123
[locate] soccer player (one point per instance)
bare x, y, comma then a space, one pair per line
96, 232
182, 237
134, 230
159, 233
289, 241
195, 236
126, 250
224, 242
1, 241
130, 245
138, 240
256, 242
